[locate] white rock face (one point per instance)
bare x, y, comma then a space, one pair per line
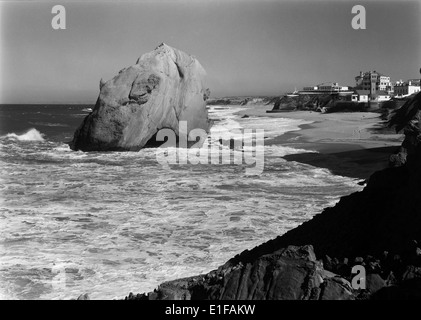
165, 86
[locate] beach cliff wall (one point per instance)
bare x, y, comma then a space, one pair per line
317, 102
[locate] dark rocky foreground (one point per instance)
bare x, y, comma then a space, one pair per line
378, 228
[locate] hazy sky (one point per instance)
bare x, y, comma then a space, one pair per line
247, 47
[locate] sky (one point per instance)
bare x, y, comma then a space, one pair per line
247, 47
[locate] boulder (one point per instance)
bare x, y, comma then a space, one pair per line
336, 288
375, 282
165, 86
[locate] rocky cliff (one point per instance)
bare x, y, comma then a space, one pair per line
242, 101
322, 102
408, 119
165, 86
378, 228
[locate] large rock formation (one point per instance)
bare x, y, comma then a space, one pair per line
378, 228
165, 86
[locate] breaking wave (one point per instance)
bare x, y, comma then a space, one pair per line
31, 135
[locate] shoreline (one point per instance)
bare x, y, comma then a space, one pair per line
348, 144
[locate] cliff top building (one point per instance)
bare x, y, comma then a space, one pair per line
374, 82
411, 82
406, 88
326, 87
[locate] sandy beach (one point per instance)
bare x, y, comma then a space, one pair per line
348, 144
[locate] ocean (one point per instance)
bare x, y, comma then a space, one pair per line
110, 223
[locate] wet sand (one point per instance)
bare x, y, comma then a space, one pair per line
348, 144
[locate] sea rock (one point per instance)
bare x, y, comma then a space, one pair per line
165, 86
287, 274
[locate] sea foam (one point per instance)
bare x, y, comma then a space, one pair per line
110, 223
31, 135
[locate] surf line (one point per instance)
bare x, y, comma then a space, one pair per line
186, 147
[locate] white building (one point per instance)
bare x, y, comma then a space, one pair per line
406, 88
326, 87
330, 86
373, 81
383, 96
360, 95
311, 88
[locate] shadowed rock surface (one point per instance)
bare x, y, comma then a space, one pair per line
408, 119
165, 86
